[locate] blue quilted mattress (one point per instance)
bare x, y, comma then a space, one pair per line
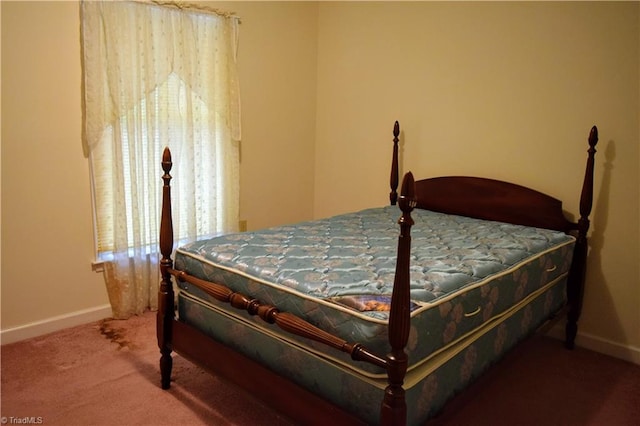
337, 273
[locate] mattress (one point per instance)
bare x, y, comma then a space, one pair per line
429, 385
337, 273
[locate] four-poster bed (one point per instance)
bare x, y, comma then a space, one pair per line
341, 320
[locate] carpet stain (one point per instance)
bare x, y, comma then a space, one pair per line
116, 335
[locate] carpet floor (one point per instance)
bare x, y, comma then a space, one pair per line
107, 373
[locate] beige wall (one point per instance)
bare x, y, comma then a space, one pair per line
504, 90
47, 239
507, 90
277, 65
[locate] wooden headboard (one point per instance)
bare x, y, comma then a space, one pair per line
491, 199
497, 200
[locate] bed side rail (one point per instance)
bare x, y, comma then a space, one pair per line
285, 320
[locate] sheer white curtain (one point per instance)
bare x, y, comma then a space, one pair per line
157, 76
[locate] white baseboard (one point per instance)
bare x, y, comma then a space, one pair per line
50, 325
598, 344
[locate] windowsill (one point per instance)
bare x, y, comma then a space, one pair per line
97, 266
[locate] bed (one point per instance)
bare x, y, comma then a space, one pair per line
378, 316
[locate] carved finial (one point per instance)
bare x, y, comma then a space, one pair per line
393, 195
166, 160
407, 193
166, 165
593, 137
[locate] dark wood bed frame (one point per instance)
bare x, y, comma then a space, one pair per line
469, 196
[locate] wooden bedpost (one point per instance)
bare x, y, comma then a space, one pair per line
394, 407
577, 274
393, 196
164, 320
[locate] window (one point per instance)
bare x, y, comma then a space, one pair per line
157, 76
